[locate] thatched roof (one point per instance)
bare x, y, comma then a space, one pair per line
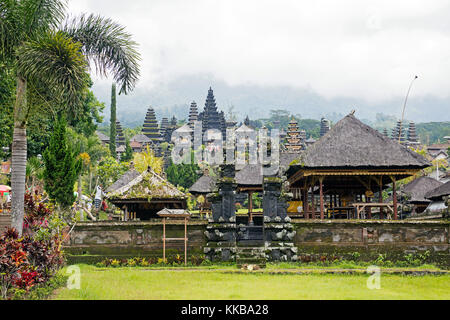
353, 144
141, 138
103, 137
250, 175
205, 184
417, 189
148, 185
174, 213
439, 192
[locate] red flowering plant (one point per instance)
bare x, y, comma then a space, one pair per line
37, 256
13, 260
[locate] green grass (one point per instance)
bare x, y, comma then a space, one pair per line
142, 284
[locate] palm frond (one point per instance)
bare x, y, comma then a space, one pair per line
108, 46
42, 15
10, 33
56, 62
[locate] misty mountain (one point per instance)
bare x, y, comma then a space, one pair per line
174, 98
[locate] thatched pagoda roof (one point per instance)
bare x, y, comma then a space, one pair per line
353, 144
204, 185
148, 185
439, 192
250, 175
417, 189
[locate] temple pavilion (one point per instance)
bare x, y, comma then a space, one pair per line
341, 173
413, 193
142, 195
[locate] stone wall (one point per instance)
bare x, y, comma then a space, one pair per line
369, 239
91, 242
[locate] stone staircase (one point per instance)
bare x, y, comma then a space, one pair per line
250, 246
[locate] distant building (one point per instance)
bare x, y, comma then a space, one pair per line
150, 128
324, 127
295, 138
211, 118
120, 138
103, 138
193, 114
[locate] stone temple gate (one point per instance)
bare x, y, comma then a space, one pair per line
235, 238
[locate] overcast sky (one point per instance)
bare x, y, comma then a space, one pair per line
366, 50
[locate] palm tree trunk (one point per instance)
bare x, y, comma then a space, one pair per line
19, 156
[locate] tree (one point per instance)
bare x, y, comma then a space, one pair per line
62, 167
50, 56
109, 171
128, 155
113, 129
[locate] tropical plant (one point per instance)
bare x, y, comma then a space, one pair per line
49, 56
147, 159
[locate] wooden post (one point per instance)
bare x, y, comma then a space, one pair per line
185, 241
381, 197
307, 203
250, 207
322, 209
164, 240
394, 190
313, 204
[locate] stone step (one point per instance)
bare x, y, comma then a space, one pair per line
251, 261
250, 243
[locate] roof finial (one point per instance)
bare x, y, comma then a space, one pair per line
353, 112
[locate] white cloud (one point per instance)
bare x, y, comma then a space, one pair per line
361, 49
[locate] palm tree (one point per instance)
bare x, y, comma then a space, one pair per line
50, 55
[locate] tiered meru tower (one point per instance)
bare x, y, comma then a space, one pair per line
120, 137
210, 117
412, 135
398, 132
193, 115
295, 139
150, 128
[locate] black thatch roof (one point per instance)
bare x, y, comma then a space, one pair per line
148, 185
417, 189
205, 184
353, 144
439, 192
250, 175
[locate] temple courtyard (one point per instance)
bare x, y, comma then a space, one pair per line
272, 283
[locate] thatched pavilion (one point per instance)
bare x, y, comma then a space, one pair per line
143, 195
348, 165
250, 180
414, 193
437, 196
202, 187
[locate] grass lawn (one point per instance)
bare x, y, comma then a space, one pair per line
142, 284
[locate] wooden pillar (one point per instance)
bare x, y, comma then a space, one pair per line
313, 204
250, 207
307, 203
185, 241
164, 240
394, 195
322, 209
380, 197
